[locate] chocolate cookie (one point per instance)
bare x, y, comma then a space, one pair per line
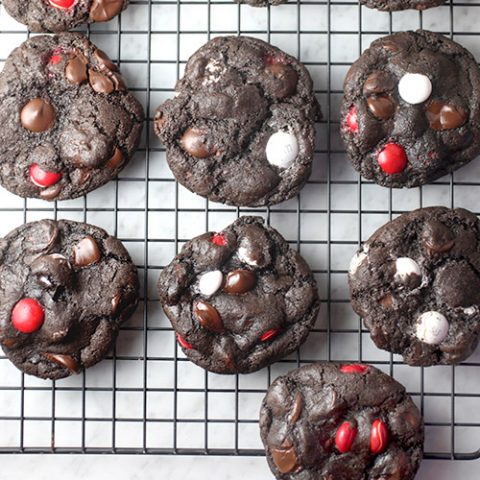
67, 122
416, 283
241, 128
62, 15
65, 288
261, 3
239, 299
340, 422
410, 111
395, 5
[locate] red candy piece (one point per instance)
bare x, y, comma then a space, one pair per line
276, 60
62, 4
41, 178
345, 437
269, 334
352, 120
392, 159
27, 315
183, 342
378, 437
219, 239
354, 368
54, 59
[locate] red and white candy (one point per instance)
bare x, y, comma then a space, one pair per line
392, 158
282, 149
414, 88
42, 178
210, 282
432, 327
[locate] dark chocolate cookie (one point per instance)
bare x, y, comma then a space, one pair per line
411, 109
62, 15
261, 3
395, 5
65, 288
416, 283
241, 129
340, 422
239, 299
67, 122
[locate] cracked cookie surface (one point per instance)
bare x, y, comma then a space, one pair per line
239, 299
340, 422
62, 15
416, 283
65, 288
241, 128
68, 123
396, 5
411, 110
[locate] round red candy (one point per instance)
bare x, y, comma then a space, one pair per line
183, 342
219, 239
352, 120
345, 437
42, 178
354, 368
392, 158
55, 58
269, 334
378, 437
27, 315
62, 4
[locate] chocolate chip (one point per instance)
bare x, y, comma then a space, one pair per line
104, 10
103, 60
240, 281
457, 285
285, 80
118, 82
437, 237
296, 408
195, 143
100, 82
51, 192
286, 460
378, 82
208, 317
116, 160
52, 270
9, 342
382, 106
116, 301
65, 361
37, 115
81, 175
86, 252
76, 70
386, 301
443, 116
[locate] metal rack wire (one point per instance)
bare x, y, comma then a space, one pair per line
146, 397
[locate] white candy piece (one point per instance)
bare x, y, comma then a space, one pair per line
282, 149
432, 327
210, 282
356, 261
414, 88
405, 268
243, 256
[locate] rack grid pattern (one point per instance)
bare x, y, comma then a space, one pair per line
146, 397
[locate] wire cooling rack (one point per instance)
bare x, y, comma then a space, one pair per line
146, 397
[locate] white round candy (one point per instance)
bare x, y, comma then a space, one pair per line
405, 268
414, 88
210, 282
245, 257
432, 327
282, 149
355, 262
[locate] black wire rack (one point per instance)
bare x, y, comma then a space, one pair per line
146, 397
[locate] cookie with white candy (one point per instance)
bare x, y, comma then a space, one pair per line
241, 129
416, 283
239, 299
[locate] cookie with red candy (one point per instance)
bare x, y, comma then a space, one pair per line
65, 289
239, 299
340, 422
241, 129
67, 122
62, 15
410, 112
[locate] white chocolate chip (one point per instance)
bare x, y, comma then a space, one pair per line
213, 72
245, 257
282, 149
210, 282
469, 310
414, 88
432, 327
356, 261
405, 267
